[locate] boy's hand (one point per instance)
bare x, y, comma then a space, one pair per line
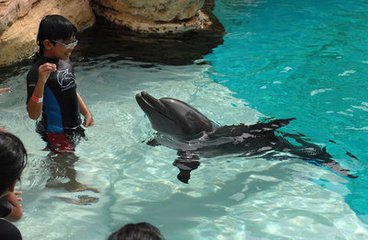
88, 120
45, 70
15, 198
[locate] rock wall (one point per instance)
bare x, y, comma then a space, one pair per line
11, 10
20, 20
160, 16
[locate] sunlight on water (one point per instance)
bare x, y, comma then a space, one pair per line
227, 198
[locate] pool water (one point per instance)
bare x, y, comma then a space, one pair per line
281, 59
308, 60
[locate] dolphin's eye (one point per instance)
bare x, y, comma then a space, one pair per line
190, 115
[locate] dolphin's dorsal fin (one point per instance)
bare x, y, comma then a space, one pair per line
269, 126
277, 123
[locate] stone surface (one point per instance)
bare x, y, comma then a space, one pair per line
155, 10
19, 40
11, 10
174, 31
160, 16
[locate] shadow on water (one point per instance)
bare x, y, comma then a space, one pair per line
10, 71
115, 43
172, 49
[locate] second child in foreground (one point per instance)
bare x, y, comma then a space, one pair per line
13, 159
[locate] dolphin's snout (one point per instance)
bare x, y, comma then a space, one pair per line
147, 101
138, 97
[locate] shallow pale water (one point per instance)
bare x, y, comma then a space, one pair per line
228, 197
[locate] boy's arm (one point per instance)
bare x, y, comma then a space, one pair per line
34, 108
16, 208
88, 119
34, 105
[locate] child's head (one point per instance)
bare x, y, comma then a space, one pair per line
56, 36
137, 231
13, 159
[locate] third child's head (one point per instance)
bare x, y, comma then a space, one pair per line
56, 37
137, 231
13, 158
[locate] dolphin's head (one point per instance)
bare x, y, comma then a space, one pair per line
172, 116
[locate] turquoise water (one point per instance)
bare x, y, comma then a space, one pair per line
227, 198
282, 59
304, 59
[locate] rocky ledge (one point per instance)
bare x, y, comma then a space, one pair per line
163, 31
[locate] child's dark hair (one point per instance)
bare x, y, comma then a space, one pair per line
137, 231
53, 27
13, 159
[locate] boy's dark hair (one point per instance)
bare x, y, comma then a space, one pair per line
13, 159
53, 27
137, 231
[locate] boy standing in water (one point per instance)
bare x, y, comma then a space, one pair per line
52, 90
52, 93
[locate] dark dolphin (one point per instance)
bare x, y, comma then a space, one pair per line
181, 127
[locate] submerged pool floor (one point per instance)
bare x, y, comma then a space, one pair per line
228, 197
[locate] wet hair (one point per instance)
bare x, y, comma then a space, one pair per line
13, 159
137, 231
53, 27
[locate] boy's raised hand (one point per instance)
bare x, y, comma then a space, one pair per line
45, 70
15, 199
88, 120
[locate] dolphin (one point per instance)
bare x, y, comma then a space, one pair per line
181, 127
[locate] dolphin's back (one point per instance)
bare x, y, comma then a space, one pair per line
260, 128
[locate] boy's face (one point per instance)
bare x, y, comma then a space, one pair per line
62, 49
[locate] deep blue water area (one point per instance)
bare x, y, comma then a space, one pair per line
303, 59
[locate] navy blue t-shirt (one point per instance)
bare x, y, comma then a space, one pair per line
60, 101
9, 231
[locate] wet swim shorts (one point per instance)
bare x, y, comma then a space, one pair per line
61, 142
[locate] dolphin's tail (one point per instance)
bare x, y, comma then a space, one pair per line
334, 166
313, 154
